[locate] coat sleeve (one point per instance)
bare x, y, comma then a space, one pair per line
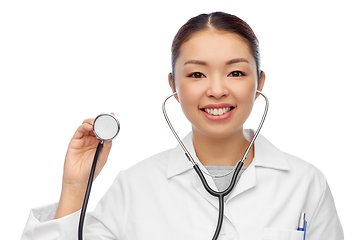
325, 223
105, 223
41, 225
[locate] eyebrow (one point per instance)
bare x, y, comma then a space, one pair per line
232, 61
196, 62
236, 60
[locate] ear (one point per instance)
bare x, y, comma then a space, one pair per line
172, 85
261, 83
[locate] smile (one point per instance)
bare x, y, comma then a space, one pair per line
217, 111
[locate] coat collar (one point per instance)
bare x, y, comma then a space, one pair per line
266, 155
178, 162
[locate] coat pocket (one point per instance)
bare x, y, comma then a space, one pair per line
281, 234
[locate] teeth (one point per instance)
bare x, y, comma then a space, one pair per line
217, 111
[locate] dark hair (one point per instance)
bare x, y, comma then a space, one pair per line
220, 21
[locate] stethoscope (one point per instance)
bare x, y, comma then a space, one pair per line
106, 127
220, 195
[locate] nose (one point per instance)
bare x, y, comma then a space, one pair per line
217, 88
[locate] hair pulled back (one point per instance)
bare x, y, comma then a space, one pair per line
220, 21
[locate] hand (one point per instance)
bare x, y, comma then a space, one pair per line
77, 167
80, 155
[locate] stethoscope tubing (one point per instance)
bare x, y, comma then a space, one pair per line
187, 154
88, 190
220, 195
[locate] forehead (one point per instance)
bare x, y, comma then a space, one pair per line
215, 46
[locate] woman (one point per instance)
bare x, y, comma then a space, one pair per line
215, 72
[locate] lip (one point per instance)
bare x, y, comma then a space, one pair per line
217, 105
217, 117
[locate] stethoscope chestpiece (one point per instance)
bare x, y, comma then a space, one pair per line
106, 127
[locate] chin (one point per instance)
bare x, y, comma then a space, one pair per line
218, 132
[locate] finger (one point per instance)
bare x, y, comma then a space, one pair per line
89, 121
85, 129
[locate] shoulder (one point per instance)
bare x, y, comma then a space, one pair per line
305, 170
285, 166
301, 164
158, 160
272, 157
149, 168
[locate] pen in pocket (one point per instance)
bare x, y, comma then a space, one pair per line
302, 224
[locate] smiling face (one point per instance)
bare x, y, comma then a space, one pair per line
216, 82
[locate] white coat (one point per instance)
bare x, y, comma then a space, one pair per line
163, 198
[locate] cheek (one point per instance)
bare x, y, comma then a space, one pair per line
245, 97
189, 98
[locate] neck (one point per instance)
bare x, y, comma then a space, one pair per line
225, 151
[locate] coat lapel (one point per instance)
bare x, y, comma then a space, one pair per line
265, 155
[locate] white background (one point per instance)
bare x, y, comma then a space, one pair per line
64, 61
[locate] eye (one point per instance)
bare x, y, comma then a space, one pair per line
196, 75
236, 74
